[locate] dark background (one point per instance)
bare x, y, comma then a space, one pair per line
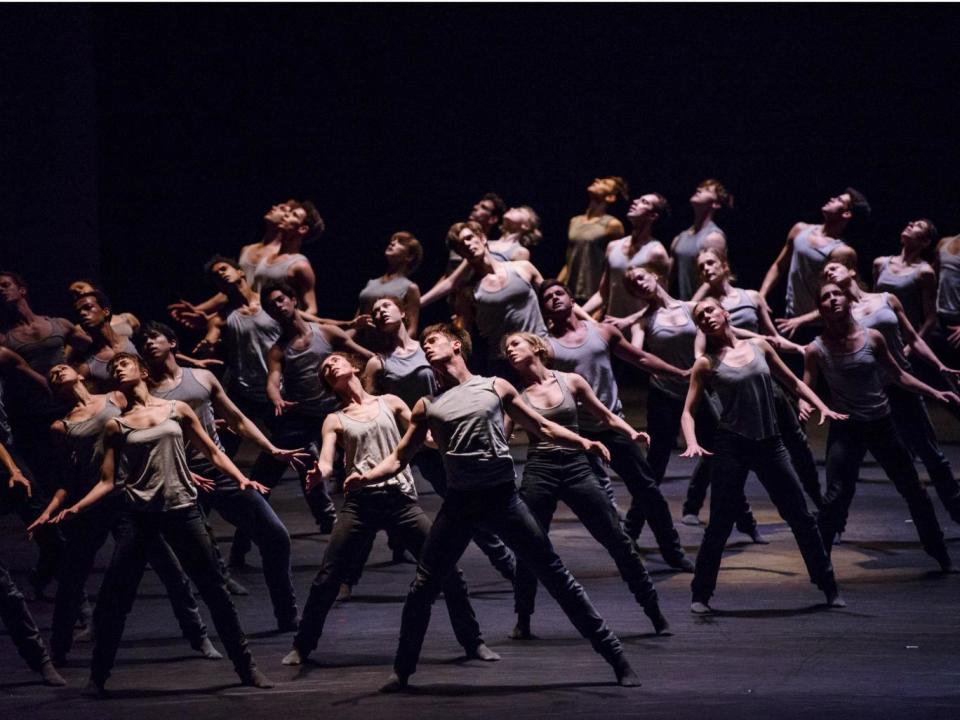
139, 140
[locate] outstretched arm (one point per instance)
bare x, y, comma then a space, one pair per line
106, 484
587, 399
445, 285
396, 461
799, 388
687, 423
901, 377
194, 432
328, 449
640, 358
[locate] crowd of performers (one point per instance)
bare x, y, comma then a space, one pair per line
112, 427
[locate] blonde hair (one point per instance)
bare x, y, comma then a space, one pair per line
721, 255
538, 344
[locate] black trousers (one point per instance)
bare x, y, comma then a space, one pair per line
500, 509
86, 534
648, 503
20, 623
734, 457
363, 514
566, 475
136, 534
847, 443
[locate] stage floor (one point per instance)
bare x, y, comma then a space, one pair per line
771, 651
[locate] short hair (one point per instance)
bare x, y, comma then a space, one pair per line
125, 356
216, 260
549, 283
532, 236
538, 344
859, 207
153, 327
101, 297
277, 286
312, 220
355, 361
453, 234
620, 187
706, 300
452, 332
16, 277
499, 206
413, 247
846, 256
392, 298
721, 255
723, 195
933, 235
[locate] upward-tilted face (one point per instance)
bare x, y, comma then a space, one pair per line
90, 313
226, 274
710, 317
837, 205
156, 346
276, 212
335, 369
126, 371
439, 348
705, 195
557, 301
386, 314
292, 218
517, 220
641, 283
62, 375
645, 206
280, 306
833, 302
601, 188
10, 291
519, 351
470, 246
485, 213
916, 235
80, 287
837, 273
711, 267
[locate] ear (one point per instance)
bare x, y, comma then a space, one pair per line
610, 199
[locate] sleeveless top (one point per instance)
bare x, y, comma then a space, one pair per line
467, 425
746, 397
301, 378
743, 311
688, 245
620, 303
99, 377
248, 266
854, 380
509, 253
158, 478
948, 289
84, 444
122, 328
906, 287
26, 398
563, 413
512, 308
885, 321
248, 339
409, 378
590, 360
587, 247
367, 442
673, 345
267, 272
806, 270
376, 288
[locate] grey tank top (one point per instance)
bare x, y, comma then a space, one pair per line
588, 244
906, 287
688, 245
84, 444
248, 340
467, 424
376, 288
158, 478
620, 303
743, 311
248, 266
884, 320
948, 288
672, 344
746, 397
267, 272
301, 378
590, 360
856, 387
367, 442
26, 398
99, 378
509, 252
563, 413
409, 378
805, 273
512, 308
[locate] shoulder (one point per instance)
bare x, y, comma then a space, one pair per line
754, 296
58, 427
206, 378
879, 262
797, 229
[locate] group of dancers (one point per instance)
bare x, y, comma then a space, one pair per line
110, 426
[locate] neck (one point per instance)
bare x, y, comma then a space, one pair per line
853, 290
400, 338
353, 392
20, 313
240, 294
271, 234
166, 368
290, 244
137, 394
596, 208
701, 216
834, 227
562, 324
485, 264
295, 326
640, 234
840, 328
453, 372
105, 335
510, 238
396, 269
534, 372
80, 394
721, 340
910, 257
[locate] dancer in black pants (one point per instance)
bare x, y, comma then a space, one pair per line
162, 501
852, 359
747, 438
553, 473
467, 423
367, 427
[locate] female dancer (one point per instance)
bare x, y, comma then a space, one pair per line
740, 372
162, 502
554, 472
519, 231
367, 427
852, 359
403, 255
910, 275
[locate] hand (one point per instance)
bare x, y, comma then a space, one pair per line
18, 478
353, 481
954, 337
281, 406
207, 363
640, 437
65, 515
313, 478
296, 458
620, 324
949, 373
204, 348
42, 519
597, 448
828, 413
694, 450
950, 398
788, 326
187, 315
204, 484
363, 320
806, 410
252, 484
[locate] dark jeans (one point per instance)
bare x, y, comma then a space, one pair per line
86, 533
20, 623
136, 534
249, 512
363, 514
910, 415
648, 503
735, 456
500, 509
847, 443
566, 475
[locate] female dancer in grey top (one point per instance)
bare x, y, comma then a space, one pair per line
403, 255
910, 276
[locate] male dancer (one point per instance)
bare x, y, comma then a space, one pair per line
300, 224
467, 424
94, 311
709, 197
487, 212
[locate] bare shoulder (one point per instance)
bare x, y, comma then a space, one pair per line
797, 229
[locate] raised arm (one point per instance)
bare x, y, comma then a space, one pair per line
794, 384
901, 377
781, 264
634, 355
372, 372
445, 285
58, 432
341, 341
595, 301
10, 360
915, 341
304, 282
194, 433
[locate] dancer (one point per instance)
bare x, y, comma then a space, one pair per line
519, 232
554, 472
300, 225
488, 212
124, 324
588, 237
245, 509
852, 360
585, 347
77, 437
162, 502
467, 423
403, 255
910, 275
94, 311
707, 200
944, 335
367, 428
741, 373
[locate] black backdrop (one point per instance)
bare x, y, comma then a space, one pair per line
138, 140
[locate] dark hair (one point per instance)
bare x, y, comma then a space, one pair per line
859, 207
412, 246
549, 283
453, 234
723, 195
933, 235
663, 207
620, 187
16, 277
452, 332
153, 327
355, 361
277, 286
216, 260
124, 356
312, 220
499, 206
101, 297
